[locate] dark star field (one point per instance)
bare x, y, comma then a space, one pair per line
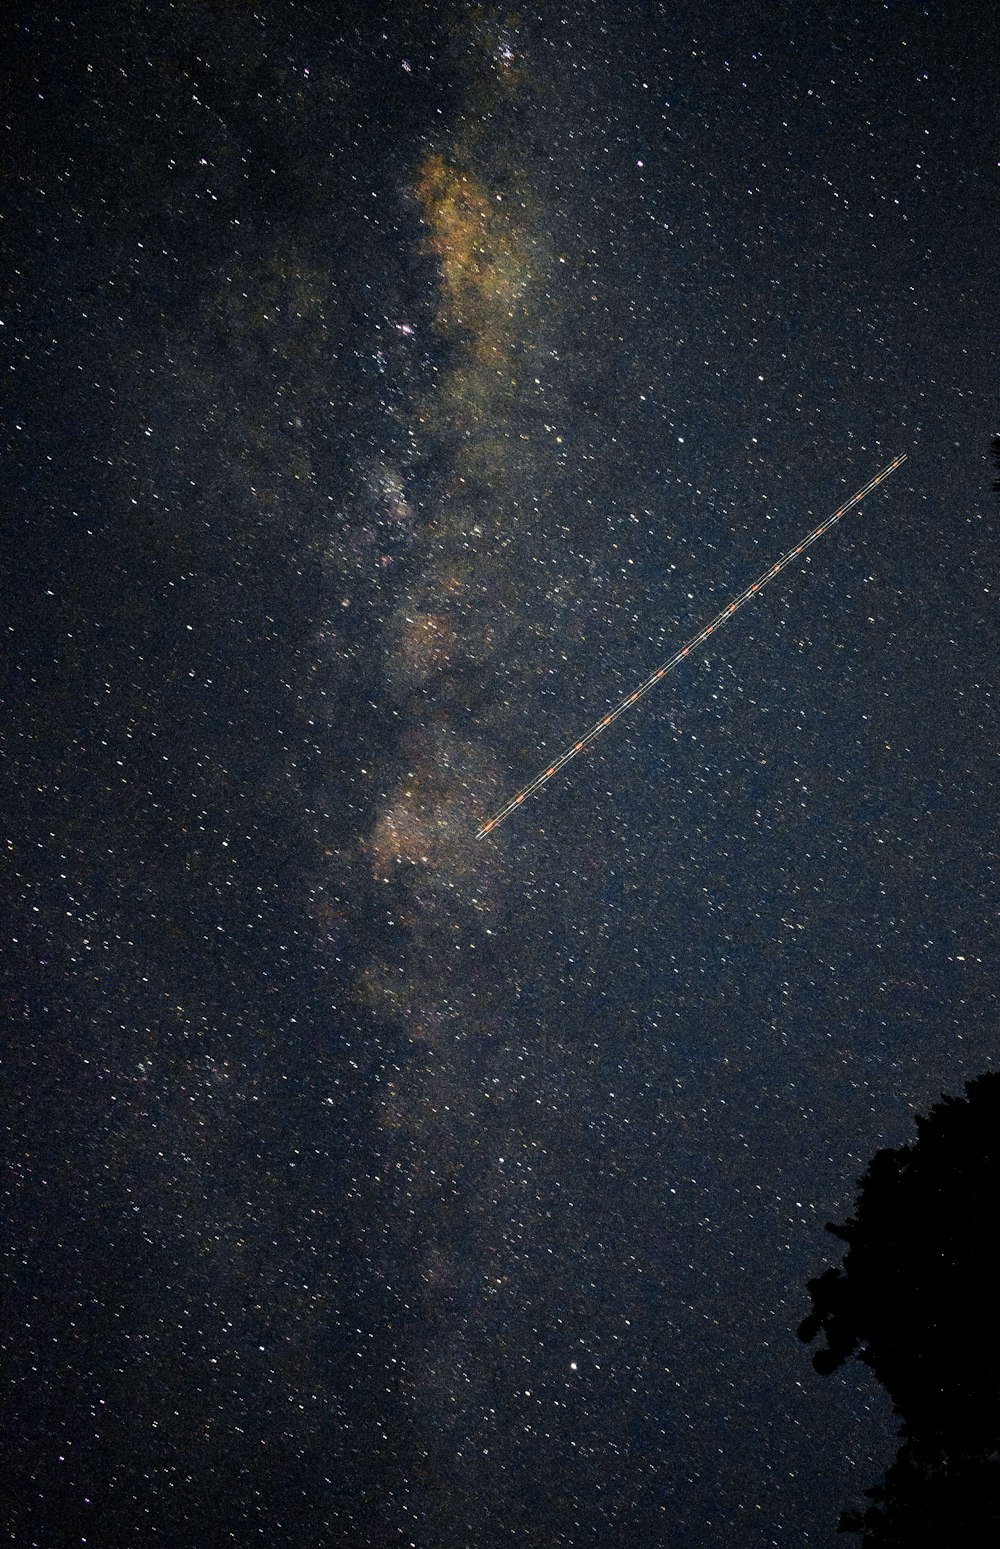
388, 390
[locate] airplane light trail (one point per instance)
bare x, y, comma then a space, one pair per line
692, 645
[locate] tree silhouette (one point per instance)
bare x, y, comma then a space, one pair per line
918, 1300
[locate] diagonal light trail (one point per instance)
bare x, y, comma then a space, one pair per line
654, 678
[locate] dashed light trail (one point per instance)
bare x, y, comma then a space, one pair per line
692, 645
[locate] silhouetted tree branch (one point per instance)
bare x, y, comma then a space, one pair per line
916, 1299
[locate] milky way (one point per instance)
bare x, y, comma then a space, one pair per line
389, 394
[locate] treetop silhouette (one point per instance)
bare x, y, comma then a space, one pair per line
917, 1298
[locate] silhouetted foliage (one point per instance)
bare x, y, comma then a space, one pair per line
932, 1501
917, 1300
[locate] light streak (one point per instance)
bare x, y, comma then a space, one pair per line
654, 678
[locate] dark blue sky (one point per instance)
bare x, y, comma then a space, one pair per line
389, 391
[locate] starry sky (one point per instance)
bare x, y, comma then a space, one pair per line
389, 389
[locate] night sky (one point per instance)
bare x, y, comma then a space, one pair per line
388, 391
